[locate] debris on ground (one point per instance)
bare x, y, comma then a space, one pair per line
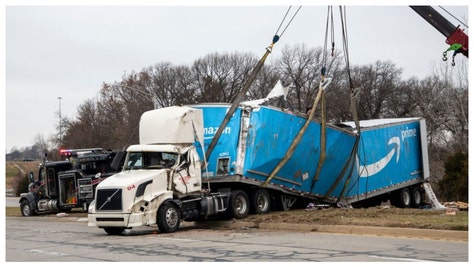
456, 205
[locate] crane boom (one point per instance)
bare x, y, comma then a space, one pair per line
453, 34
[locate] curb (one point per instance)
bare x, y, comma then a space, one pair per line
433, 234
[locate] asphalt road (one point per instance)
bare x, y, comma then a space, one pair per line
69, 239
334, 229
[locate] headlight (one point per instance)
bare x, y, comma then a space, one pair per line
91, 206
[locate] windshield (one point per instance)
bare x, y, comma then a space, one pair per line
150, 160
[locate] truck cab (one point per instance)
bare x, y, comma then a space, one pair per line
154, 179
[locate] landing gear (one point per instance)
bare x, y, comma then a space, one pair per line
287, 202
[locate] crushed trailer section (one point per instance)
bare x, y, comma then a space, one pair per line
166, 178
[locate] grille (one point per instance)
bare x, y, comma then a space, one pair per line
109, 199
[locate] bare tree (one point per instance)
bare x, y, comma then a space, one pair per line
219, 78
376, 84
169, 85
41, 144
84, 132
301, 67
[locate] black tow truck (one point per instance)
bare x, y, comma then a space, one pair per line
63, 185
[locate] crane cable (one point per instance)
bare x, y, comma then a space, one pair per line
454, 17
283, 20
253, 75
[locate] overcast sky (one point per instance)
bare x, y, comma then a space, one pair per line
69, 51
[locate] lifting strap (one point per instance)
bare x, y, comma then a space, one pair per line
240, 96
322, 142
353, 94
299, 135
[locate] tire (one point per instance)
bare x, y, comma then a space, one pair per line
114, 230
416, 197
405, 198
27, 209
261, 201
238, 204
168, 218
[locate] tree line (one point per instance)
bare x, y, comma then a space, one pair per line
111, 120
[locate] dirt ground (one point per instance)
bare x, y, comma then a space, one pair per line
375, 216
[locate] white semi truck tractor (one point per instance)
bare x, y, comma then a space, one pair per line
160, 182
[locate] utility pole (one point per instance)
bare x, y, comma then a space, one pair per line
60, 123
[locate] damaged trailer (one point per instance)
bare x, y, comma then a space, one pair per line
388, 160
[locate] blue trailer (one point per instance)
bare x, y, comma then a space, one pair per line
388, 160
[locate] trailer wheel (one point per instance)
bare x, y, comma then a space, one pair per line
261, 201
26, 208
114, 230
168, 218
417, 197
405, 198
238, 204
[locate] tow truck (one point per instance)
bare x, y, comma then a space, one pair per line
66, 184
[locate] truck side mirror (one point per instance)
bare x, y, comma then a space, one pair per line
31, 177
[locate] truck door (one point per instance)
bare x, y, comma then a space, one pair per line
39, 186
187, 177
51, 183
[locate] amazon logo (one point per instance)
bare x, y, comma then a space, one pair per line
376, 167
394, 154
408, 133
209, 132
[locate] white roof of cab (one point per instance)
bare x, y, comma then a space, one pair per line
171, 125
159, 148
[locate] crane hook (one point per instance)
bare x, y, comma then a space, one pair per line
445, 57
456, 48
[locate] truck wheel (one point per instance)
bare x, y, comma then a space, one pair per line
168, 218
238, 204
114, 230
405, 198
417, 197
26, 208
261, 201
